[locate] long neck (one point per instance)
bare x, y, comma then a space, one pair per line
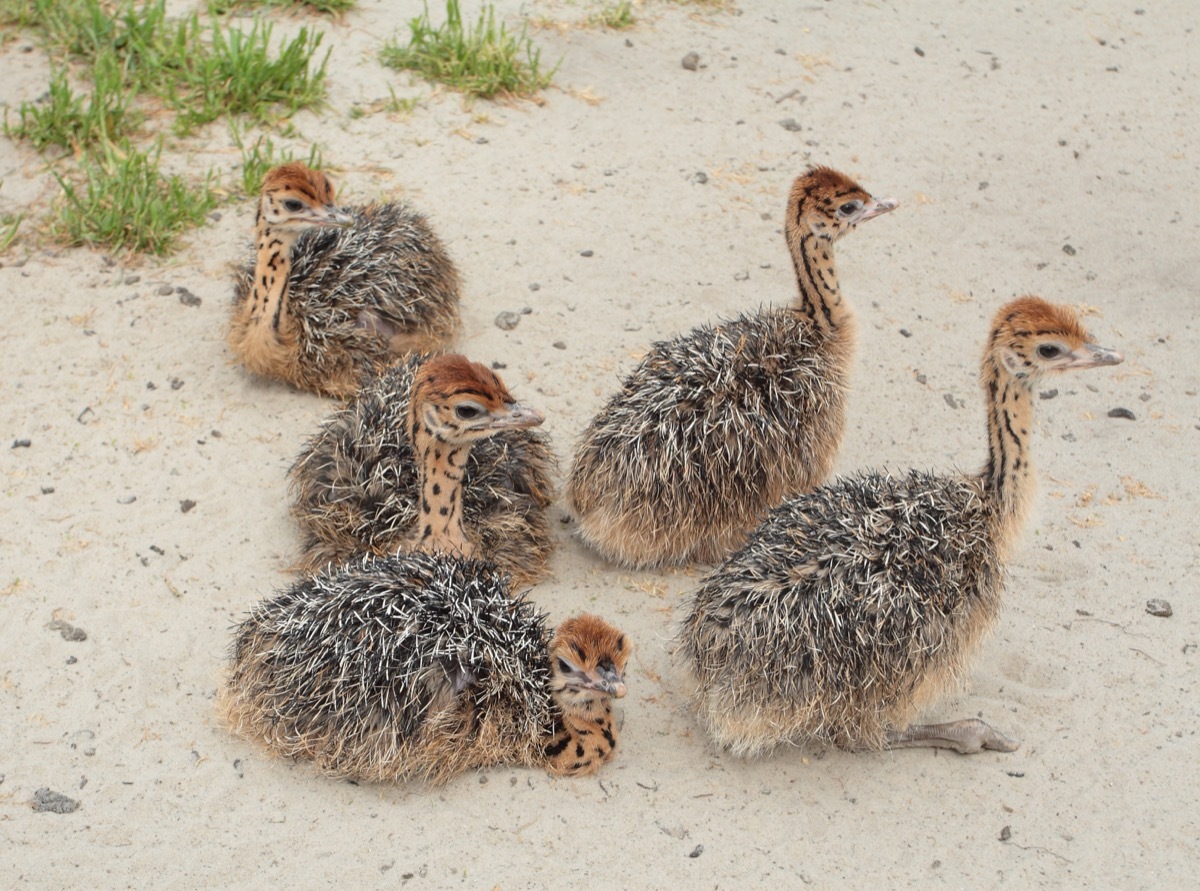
585, 740
439, 515
273, 264
1008, 478
819, 298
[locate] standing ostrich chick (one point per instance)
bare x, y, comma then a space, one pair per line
854, 605
332, 293
422, 666
714, 428
362, 484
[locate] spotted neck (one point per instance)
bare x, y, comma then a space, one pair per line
586, 738
1008, 477
439, 515
819, 298
272, 266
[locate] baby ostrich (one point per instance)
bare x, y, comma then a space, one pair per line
714, 428
359, 485
423, 666
855, 604
334, 292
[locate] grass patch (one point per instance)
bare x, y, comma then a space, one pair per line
262, 156
124, 202
329, 7
239, 75
482, 61
75, 121
616, 16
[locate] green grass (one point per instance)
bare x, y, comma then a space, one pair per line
330, 7
9, 224
262, 156
240, 75
75, 121
124, 202
616, 16
482, 61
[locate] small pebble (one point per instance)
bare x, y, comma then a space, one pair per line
127, 499
1068, 250
534, 286
691, 61
950, 400
165, 290
22, 443
507, 320
1047, 394
904, 332
586, 253
741, 276
48, 801
920, 52
526, 310
699, 177
71, 660
1006, 833
132, 279
696, 851
791, 125
67, 630
920, 378
559, 345
186, 505
187, 298
176, 383
1122, 413
1160, 608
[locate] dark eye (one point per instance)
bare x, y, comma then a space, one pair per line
850, 208
1049, 351
467, 412
564, 666
291, 205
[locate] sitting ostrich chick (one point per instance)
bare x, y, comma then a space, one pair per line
334, 292
852, 606
422, 666
715, 428
362, 484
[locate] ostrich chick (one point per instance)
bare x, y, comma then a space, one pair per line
714, 428
852, 606
398, 453
332, 293
422, 666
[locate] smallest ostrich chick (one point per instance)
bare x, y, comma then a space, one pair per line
423, 666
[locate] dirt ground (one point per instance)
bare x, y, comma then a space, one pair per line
1035, 148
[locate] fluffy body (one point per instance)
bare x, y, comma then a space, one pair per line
714, 428
422, 666
674, 468
851, 606
845, 612
356, 487
357, 293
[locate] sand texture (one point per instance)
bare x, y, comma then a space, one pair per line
1035, 148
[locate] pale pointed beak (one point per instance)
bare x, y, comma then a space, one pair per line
519, 417
1090, 356
877, 207
608, 681
331, 218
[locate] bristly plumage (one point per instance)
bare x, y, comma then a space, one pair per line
361, 285
355, 485
714, 428
421, 666
852, 605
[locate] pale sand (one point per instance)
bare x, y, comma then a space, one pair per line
1007, 138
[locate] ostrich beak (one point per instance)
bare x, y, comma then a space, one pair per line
877, 207
1091, 355
517, 417
330, 217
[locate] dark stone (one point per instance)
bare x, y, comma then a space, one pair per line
1068, 250
1160, 608
691, 61
791, 125
186, 505
48, 801
67, 630
506, 320
1122, 413
22, 443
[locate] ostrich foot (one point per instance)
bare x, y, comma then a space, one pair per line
967, 737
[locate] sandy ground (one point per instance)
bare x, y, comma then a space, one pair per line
1037, 148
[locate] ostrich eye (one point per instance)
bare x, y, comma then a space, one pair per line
1049, 351
849, 208
467, 412
564, 666
291, 205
